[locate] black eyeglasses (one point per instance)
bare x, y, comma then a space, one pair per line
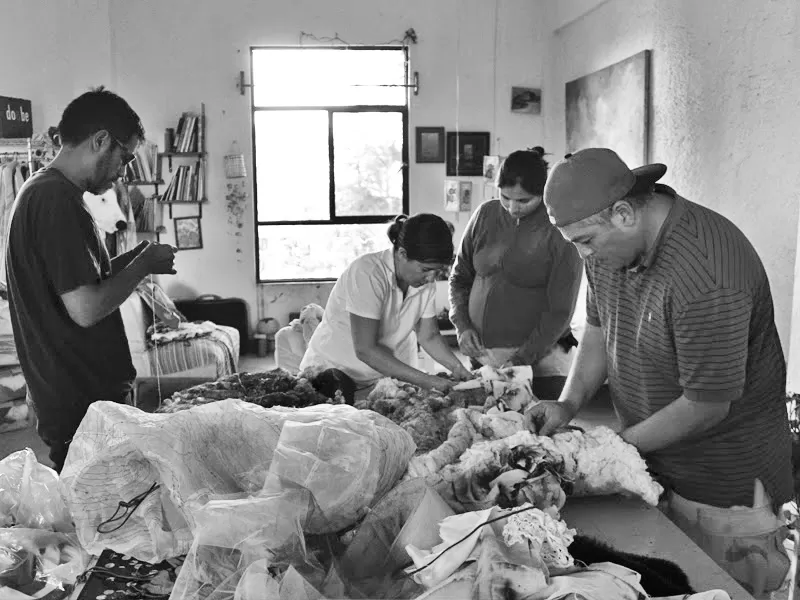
127, 156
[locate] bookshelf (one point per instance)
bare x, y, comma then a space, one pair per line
186, 162
185, 178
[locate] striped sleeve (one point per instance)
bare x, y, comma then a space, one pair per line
711, 340
592, 316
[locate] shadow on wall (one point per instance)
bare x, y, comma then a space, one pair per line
178, 290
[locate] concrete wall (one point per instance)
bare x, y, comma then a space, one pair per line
725, 107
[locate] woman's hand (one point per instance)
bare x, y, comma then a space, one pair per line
460, 373
469, 342
439, 384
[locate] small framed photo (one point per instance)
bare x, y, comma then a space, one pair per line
430, 144
526, 100
188, 234
465, 152
491, 168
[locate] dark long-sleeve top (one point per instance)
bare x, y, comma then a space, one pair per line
514, 282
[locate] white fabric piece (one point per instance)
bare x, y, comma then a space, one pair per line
368, 288
451, 530
601, 581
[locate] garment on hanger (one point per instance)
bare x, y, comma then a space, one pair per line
11, 180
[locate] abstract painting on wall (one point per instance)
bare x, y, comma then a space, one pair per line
610, 108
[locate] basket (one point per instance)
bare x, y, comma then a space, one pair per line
234, 164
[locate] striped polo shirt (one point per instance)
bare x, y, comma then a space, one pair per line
695, 317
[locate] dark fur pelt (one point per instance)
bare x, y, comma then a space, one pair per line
660, 577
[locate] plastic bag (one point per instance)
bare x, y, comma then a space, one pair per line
345, 457
29, 494
244, 542
35, 563
375, 558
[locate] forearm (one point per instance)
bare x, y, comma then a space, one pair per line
680, 419
588, 372
387, 364
460, 287
440, 351
90, 304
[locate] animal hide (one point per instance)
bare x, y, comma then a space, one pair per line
660, 577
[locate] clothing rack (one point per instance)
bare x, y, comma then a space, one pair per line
27, 149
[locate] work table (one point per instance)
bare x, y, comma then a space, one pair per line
638, 528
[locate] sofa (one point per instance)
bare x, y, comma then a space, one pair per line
210, 354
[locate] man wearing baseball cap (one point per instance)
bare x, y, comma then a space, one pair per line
680, 322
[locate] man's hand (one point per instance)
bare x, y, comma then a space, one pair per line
469, 342
460, 373
159, 259
547, 416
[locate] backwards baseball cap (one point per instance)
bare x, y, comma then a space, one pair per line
591, 180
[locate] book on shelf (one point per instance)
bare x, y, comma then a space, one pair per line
185, 184
188, 134
145, 167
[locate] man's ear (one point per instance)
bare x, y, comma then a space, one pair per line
402, 253
623, 213
100, 139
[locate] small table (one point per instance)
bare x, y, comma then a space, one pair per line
635, 527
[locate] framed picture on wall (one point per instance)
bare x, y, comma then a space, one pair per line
188, 234
465, 152
430, 144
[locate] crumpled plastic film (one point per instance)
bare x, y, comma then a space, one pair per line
218, 449
35, 563
375, 558
29, 495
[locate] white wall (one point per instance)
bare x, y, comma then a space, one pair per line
170, 56
52, 52
726, 107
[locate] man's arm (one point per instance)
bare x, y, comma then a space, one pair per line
89, 304
679, 420
588, 371
711, 343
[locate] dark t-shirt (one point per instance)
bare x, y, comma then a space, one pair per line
53, 248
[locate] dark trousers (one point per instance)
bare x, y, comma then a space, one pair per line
60, 437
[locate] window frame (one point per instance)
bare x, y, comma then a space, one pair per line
403, 110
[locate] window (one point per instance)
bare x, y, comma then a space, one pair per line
330, 130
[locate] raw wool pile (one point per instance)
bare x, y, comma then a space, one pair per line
604, 463
267, 389
427, 416
470, 470
597, 461
495, 473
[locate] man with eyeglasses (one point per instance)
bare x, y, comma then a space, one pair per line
64, 291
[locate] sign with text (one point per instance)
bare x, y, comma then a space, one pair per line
15, 118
